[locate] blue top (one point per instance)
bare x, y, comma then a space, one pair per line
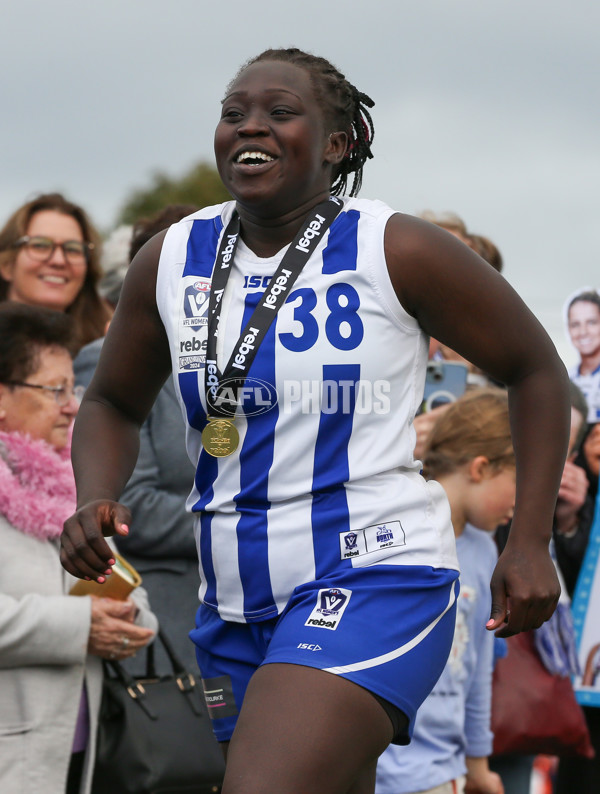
454, 721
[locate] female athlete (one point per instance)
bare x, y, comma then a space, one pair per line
295, 321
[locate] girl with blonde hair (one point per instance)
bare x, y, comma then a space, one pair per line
470, 454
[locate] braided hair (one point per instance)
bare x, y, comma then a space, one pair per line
345, 107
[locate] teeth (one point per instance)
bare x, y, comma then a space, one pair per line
55, 279
254, 156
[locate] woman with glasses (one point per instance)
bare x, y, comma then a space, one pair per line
49, 256
51, 643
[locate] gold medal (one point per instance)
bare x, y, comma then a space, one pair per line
220, 437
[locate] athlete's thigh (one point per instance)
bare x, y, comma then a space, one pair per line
303, 730
364, 783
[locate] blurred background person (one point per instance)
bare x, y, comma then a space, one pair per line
573, 519
51, 643
488, 251
573, 523
50, 257
114, 262
161, 544
576, 499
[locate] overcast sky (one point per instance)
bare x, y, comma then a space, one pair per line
489, 109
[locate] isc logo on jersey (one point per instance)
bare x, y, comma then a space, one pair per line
331, 605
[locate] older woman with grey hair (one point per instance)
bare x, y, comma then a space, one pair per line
51, 643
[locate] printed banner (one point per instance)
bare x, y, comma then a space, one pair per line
586, 612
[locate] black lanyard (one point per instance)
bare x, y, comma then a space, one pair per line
290, 267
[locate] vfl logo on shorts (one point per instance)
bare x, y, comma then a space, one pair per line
330, 607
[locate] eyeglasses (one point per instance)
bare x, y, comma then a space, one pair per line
62, 394
42, 248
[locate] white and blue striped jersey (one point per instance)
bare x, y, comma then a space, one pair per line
324, 476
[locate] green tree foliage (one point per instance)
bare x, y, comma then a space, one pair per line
201, 186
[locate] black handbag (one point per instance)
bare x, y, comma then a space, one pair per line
154, 734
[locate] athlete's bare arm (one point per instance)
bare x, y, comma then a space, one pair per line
467, 305
133, 366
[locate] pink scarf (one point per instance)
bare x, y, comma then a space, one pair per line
37, 487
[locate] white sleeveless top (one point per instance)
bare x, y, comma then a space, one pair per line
324, 476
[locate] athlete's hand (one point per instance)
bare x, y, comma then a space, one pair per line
525, 588
84, 552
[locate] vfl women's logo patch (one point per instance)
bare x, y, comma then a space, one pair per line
331, 605
193, 323
195, 303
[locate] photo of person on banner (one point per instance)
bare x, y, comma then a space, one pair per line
592, 667
582, 314
585, 610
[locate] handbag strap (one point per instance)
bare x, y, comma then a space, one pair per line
184, 679
135, 689
176, 663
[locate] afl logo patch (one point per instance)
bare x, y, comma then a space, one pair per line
331, 605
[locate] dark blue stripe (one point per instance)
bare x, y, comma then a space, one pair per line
331, 471
202, 247
200, 260
206, 474
256, 459
188, 385
205, 553
341, 252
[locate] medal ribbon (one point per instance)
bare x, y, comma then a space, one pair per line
299, 252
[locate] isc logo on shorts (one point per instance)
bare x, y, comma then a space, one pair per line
329, 608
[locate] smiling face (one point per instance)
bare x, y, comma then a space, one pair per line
54, 284
273, 149
584, 328
35, 412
